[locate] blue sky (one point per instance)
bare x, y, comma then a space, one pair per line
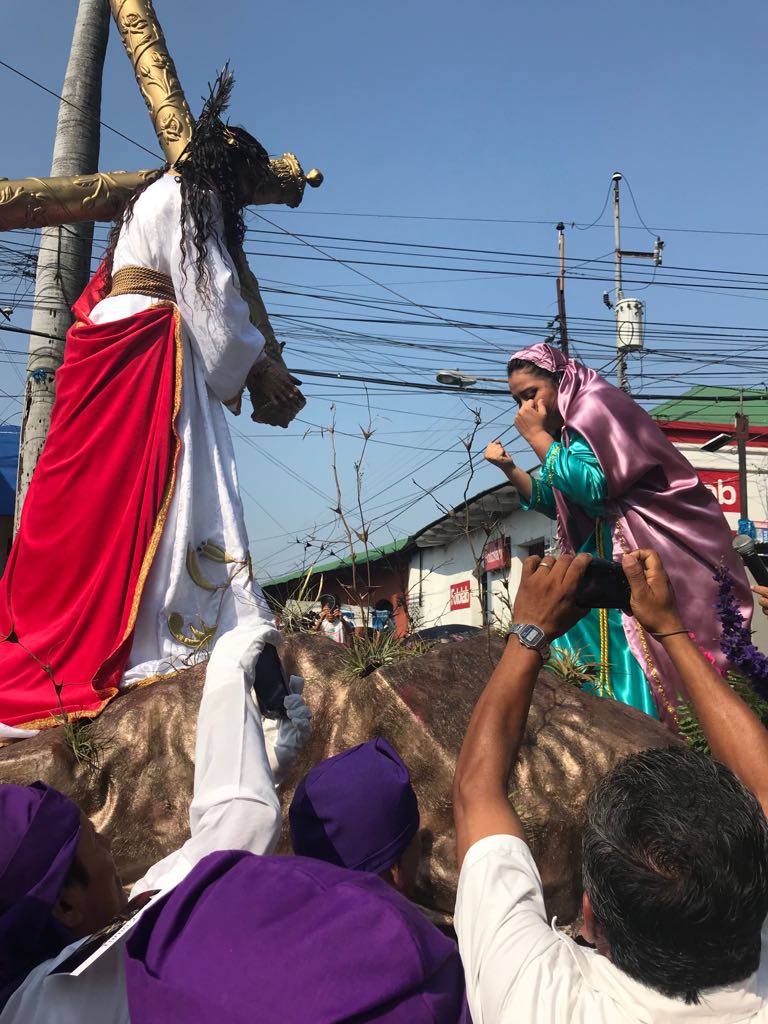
451, 125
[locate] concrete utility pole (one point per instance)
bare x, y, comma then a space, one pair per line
561, 319
621, 363
629, 312
64, 257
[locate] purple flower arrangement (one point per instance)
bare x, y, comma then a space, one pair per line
736, 639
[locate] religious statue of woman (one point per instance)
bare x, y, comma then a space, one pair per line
615, 484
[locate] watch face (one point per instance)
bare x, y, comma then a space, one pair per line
531, 635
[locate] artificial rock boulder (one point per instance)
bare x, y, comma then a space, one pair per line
138, 792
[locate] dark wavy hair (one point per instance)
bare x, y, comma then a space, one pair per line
675, 864
211, 171
528, 367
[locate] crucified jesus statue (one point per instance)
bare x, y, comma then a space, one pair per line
149, 563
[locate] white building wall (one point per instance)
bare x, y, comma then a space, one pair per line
434, 571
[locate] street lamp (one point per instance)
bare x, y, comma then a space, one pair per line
454, 379
717, 442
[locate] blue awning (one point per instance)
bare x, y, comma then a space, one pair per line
9, 459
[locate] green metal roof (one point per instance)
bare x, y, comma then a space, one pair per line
700, 405
374, 555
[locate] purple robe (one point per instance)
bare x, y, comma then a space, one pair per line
289, 940
39, 835
655, 500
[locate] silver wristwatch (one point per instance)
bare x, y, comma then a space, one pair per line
531, 636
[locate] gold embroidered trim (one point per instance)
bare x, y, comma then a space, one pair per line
141, 683
536, 495
551, 458
53, 720
170, 486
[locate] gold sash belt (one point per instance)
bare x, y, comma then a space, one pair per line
142, 281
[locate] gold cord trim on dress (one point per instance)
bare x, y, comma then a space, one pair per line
135, 280
605, 689
644, 643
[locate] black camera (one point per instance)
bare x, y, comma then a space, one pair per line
270, 683
604, 585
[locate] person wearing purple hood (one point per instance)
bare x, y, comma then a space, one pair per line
359, 810
228, 936
614, 483
62, 950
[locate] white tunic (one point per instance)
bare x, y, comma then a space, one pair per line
234, 807
220, 346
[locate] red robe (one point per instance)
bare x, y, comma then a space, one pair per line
92, 518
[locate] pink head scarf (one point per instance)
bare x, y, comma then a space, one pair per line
655, 500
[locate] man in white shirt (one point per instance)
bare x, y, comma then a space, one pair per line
675, 848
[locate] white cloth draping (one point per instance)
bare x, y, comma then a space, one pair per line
220, 346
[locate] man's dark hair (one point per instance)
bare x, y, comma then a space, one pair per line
675, 864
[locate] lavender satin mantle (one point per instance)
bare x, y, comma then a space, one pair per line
655, 500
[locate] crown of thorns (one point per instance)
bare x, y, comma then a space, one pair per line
211, 130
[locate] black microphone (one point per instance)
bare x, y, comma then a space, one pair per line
745, 548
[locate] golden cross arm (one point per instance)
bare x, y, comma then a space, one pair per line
46, 202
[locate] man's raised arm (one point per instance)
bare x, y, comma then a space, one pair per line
735, 735
480, 803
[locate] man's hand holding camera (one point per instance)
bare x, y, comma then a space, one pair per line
653, 599
547, 594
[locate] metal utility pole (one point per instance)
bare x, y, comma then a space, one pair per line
64, 257
629, 312
741, 424
621, 363
562, 322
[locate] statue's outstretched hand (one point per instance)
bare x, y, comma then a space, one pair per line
497, 455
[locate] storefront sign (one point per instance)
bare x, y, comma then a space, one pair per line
724, 484
497, 554
460, 595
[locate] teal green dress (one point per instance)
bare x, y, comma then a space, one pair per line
599, 637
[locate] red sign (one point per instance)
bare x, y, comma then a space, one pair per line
496, 554
724, 484
460, 595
